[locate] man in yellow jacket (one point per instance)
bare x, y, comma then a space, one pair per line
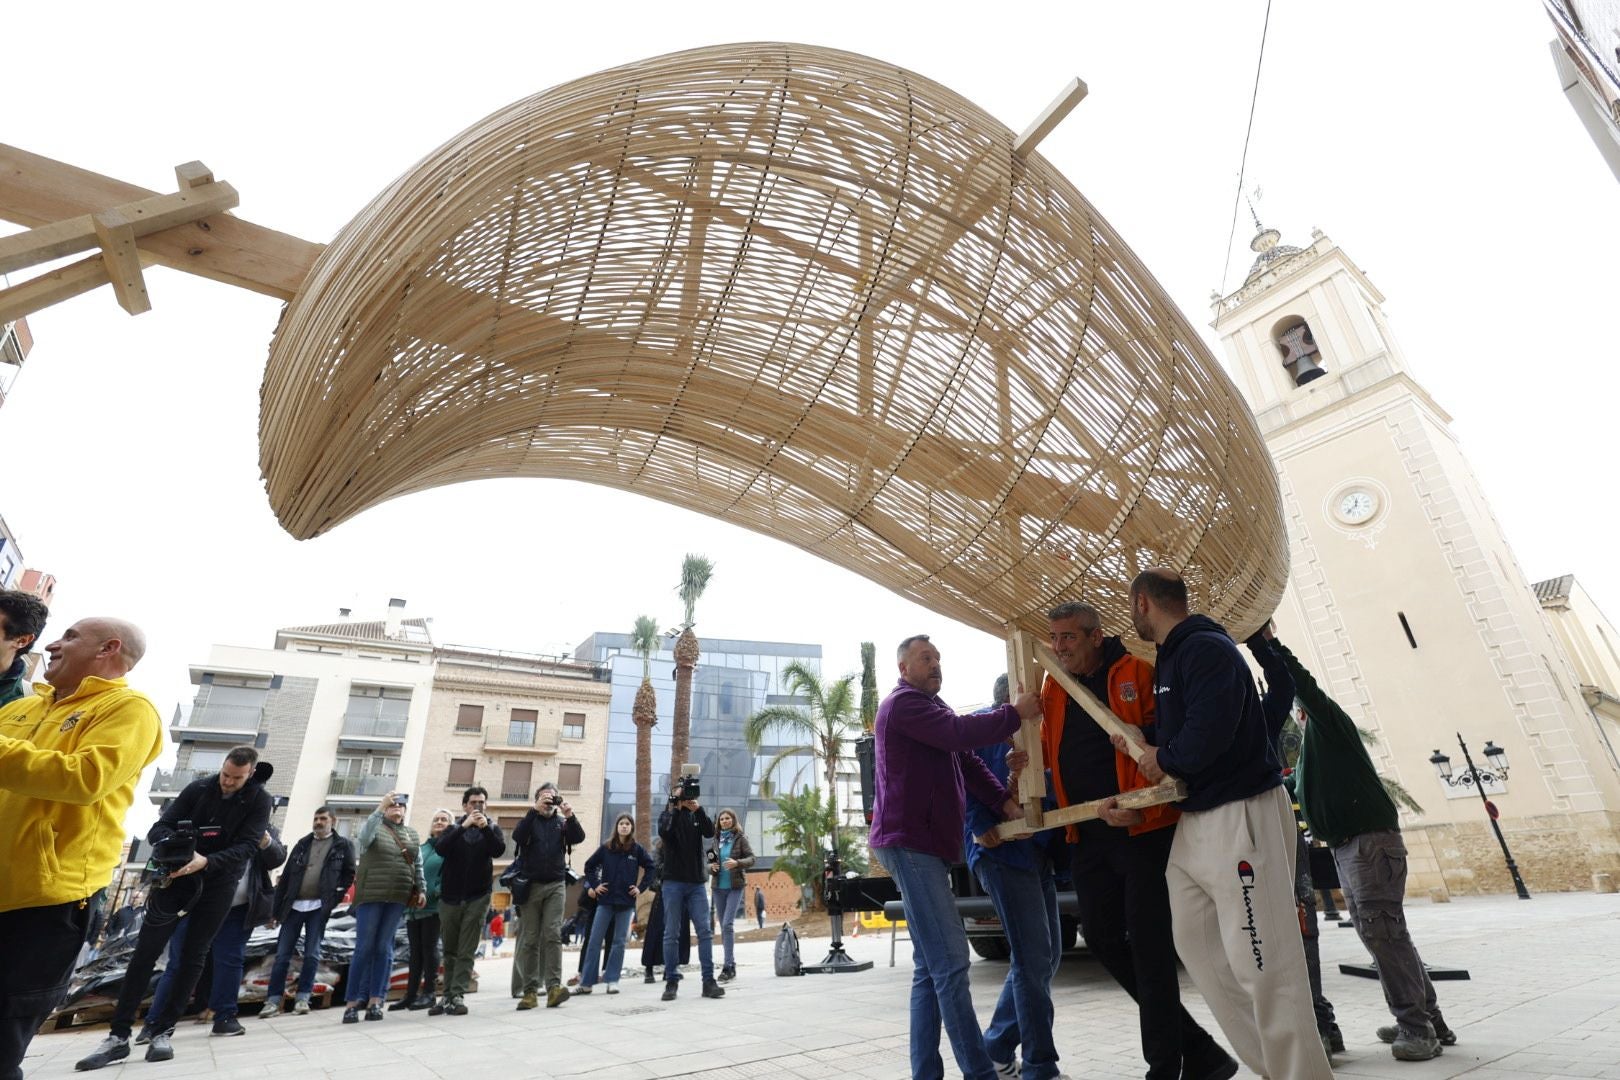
70, 756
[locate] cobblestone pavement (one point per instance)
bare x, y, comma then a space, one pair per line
1544, 1002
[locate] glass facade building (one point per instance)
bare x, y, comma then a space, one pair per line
732, 681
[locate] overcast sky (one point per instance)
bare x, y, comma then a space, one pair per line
1432, 142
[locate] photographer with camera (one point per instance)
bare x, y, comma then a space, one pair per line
470, 848
540, 890
388, 881
683, 827
70, 756
200, 849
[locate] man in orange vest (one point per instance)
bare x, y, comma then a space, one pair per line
1117, 863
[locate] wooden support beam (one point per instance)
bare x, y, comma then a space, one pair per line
1099, 712
123, 261
1023, 671
1138, 799
52, 287
1061, 106
143, 216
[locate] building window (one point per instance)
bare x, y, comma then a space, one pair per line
573, 725
462, 772
524, 723
568, 777
470, 718
515, 779
507, 824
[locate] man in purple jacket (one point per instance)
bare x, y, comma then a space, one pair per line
925, 768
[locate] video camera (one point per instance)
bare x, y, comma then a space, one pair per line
171, 853
686, 785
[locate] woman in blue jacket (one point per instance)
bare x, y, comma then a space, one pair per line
611, 878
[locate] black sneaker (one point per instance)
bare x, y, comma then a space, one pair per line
112, 1048
1446, 1036
420, 1003
728, 973
159, 1049
144, 1036
374, 1012
712, 989
351, 1015
402, 1003
669, 992
228, 1025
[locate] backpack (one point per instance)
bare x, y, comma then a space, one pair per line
787, 952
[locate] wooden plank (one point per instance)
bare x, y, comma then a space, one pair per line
1139, 799
52, 288
144, 216
36, 190
1099, 712
193, 174
1022, 670
123, 261
1050, 118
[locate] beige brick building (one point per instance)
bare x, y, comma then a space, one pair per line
510, 721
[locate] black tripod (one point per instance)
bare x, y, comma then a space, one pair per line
838, 961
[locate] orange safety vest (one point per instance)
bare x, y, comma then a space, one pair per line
1130, 696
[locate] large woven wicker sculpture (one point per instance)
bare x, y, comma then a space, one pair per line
799, 290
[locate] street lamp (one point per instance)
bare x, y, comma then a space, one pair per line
1496, 768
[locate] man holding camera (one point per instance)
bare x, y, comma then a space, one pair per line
469, 849
70, 756
683, 826
543, 838
220, 821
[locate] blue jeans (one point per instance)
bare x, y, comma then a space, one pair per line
1026, 902
373, 964
312, 924
687, 900
610, 924
171, 968
230, 952
939, 980
726, 902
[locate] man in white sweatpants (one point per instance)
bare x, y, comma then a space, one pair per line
1231, 872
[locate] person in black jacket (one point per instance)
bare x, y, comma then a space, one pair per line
227, 954
543, 838
612, 880
469, 849
1231, 873
229, 813
683, 826
318, 872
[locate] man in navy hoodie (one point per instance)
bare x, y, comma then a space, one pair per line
925, 766
1231, 871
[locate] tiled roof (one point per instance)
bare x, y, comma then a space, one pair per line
1554, 588
414, 631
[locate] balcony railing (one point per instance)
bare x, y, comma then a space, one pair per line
374, 727
519, 737
177, 779
362, 786
244, 718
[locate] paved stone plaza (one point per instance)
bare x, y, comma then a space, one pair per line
1544, 1002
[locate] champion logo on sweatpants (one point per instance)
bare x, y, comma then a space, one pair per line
1245, 874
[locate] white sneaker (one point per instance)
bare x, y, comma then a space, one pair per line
270, 1009
1008, 1070
301, 1007
613, 988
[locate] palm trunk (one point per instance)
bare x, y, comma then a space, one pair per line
686, 658
645, 714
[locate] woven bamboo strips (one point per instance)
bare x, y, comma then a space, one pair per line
802, 291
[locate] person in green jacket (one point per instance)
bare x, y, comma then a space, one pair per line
1348, 809
389, 879
22, 620
422, 927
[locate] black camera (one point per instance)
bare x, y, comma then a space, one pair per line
173, 852
686, 785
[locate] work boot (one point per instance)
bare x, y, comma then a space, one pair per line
113, 1048
669, 994
649, 980
531, 1000
728, 973
1414, 1046
555, 996
712, 989
1335, 1039
159, 1049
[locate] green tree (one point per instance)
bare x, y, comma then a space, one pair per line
803, 826
869, 697
644, 640
821, 728
1292, 738
695, 573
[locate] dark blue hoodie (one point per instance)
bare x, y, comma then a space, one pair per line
1210, 730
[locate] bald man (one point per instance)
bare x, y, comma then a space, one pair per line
70, 756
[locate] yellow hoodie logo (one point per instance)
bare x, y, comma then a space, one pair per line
68, 724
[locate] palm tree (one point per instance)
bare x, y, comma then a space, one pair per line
804, 823
869, 698
644, 640
695, 573
820, 728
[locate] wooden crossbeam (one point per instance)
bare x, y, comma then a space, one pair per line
1050, 117
54, 286
123, 261
1099, 712
1023, 671
1137, 799
142, 217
